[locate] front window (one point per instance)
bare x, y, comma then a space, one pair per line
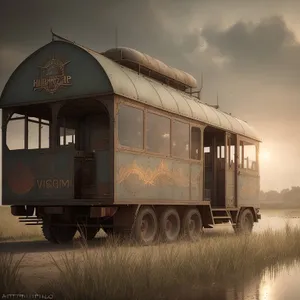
248, 156
25, 132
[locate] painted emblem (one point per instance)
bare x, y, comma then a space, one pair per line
20, 179
52, 76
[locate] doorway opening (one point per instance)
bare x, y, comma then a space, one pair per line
214, 166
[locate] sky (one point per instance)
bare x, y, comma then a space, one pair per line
248, 52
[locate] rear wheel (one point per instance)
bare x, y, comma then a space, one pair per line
58, 234
169, 223
245, 222
192, 226
145, 226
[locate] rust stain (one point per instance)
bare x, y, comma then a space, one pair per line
150, 176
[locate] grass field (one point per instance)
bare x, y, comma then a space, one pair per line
11, 229
174, 271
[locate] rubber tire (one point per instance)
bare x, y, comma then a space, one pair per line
48, 232
137, 233
241, 227
58, 234
185, 224
162, 225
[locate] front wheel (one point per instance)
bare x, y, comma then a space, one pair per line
245, 222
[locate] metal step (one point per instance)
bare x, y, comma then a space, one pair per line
222, 217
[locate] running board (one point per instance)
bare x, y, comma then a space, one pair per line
31, 220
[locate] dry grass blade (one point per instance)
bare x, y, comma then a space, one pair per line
117, 271
9, 273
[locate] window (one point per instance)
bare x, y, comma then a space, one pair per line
248, 156
15, 134
130, 127
180, 139
231, 152
67, 136
195, 143
206, 149
158, 134
220, 151
37, 135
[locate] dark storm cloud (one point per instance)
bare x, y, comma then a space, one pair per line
25, 26
268, 46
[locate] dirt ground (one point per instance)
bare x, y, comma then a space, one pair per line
37, 267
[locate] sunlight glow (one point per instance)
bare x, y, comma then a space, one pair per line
264, 156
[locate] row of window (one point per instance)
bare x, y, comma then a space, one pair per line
159, 138
162, 138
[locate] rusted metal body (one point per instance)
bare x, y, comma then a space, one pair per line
79, 90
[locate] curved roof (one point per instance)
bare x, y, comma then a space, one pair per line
128, 83
124, 54
92, 73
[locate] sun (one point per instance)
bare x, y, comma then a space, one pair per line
265, 156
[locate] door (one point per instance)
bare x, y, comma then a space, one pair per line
248, 172
230, 171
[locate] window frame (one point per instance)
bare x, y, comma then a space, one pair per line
201, 143
28, 119
118, 144
147, 111
244, 140
173, 120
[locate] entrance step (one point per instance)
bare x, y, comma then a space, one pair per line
221, 215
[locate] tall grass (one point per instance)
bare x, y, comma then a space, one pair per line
120, 272
10, 279
11, 229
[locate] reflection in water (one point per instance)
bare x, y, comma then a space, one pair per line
282, 283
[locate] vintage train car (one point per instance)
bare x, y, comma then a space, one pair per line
117, 141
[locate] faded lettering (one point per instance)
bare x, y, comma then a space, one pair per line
54, 183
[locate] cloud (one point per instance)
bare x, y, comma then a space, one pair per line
265, 48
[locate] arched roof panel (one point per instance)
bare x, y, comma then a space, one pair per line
94, 74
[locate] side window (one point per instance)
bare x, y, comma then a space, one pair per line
180, 139
158, 134
248, 156
230, 152
220, 151
130, 126
195, 143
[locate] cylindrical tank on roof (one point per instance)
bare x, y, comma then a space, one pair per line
151, 67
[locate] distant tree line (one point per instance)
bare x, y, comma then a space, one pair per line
286, 198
